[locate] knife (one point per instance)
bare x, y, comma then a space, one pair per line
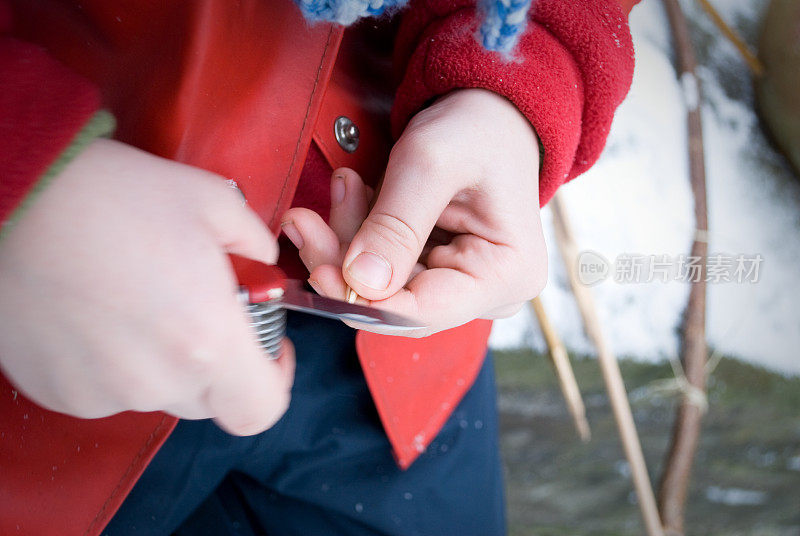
296, 298
266, 292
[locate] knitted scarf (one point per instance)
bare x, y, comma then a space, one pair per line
503, 20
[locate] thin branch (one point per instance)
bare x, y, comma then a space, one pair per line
564, 372
615, 386
752, 61
674, 484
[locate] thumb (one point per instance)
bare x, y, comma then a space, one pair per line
388, 244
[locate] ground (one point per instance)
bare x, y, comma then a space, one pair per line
746, 477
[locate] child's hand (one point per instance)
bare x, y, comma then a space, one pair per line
117, 294
467, 165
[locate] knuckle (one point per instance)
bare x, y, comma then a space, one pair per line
478, 249
424, 150
392, 230
194, 348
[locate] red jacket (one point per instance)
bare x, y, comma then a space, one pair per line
249, 90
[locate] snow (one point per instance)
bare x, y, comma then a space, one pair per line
735, 496
637, 200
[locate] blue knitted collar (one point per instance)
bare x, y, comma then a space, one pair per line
503, 21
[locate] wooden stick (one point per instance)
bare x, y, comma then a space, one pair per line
686, 430
564, 372
611, 373
755, 65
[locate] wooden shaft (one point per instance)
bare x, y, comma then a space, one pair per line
564, 372
611, 374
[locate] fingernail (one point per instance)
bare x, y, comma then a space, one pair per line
293, 234
315, 286
337, 190
371, 270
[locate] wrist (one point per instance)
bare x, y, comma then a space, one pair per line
487, 105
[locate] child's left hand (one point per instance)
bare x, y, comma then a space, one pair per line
455, 232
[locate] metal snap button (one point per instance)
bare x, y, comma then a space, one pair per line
346, 133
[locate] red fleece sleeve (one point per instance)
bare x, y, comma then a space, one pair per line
43, 105
571, 69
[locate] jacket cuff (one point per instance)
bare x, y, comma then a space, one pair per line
101, 124
571, 69
44, 109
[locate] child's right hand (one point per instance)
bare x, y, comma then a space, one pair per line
116, 294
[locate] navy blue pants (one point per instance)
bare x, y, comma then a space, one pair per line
326, 467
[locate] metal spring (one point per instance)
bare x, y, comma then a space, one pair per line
268, 319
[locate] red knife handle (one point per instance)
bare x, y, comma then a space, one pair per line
260, 285
264, 282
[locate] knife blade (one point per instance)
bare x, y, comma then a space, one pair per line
296, 298
267, 284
